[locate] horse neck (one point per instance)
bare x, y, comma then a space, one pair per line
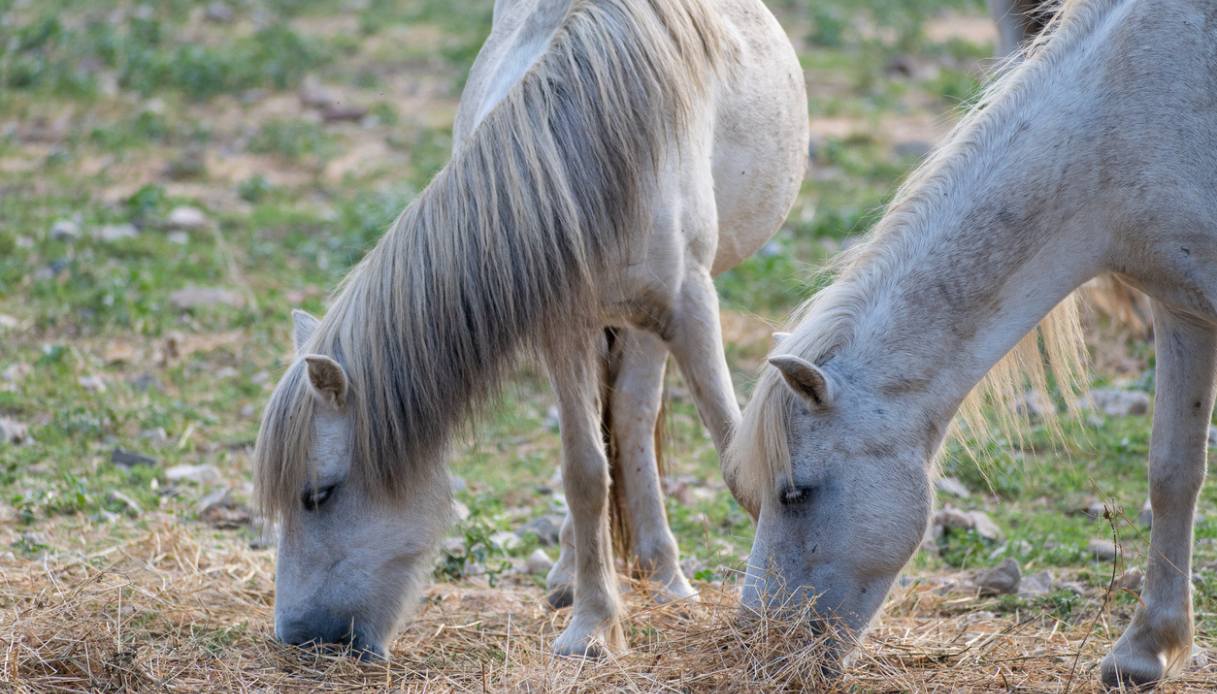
985, 253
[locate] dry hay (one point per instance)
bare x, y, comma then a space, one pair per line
169, 610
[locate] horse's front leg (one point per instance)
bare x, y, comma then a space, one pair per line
636, 397
695, 339
1159, 639
574, 369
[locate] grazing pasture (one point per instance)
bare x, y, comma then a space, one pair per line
175, 177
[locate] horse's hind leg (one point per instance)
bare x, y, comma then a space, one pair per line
574, 367
1159, 639
695, 339
635, 401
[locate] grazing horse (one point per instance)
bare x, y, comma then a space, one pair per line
612, 156
1095, 154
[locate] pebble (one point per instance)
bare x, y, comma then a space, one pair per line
984, 526
1036, 584
1102, 550
93, 384
199, 474
219, 12
131, 504
954, 518
1146, 516
1117, 403
460, 510
457, 484
505, 540
186, 218
129, 459
547, 528
65, 230
180, 238
1002, 579
538, 563
952, 486
1131, 580
12, 431
1035, 406
200, 297
112, 233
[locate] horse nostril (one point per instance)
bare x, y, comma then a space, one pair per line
320, 631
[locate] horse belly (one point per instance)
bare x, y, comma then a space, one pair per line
760, 135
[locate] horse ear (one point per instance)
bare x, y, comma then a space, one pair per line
328, 379
779, 338
805, 379
303, 326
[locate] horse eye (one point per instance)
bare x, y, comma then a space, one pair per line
313, 499
793, 496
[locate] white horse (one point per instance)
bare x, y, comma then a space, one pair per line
1095, 154
613, 155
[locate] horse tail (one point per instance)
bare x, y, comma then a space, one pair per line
620, 530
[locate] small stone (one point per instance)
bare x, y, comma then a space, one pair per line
460, 510
954, 518
144, 382
1035, 406
17, 372
219, 12
93, 384
1131, 580
122, 499
220, 510
538, 563
1117, 403
219, 497
1146, 516
12, 431
129, 459
547, 528
198, 474
336, 112
186, 218
314, 95
1095, 510
952, 486
65, 230
1102, 550
112, 233
985, 527
201, 297
1036, 584
457, 484
180, 238
1002, 579
505, 540
1200, 657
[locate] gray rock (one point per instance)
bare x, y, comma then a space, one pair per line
538, 563
505, 540
65, 230
129, 459
1035, 406
93, 384
1131, 580
954, 519
1095, 509
12, 431
1036, 584
985, 527
1117, 403
198, 474
219, 12
460, 510
220, 510
1002, 579
186, 218
952, 486
131, 504
547, 528
1102, 550
202, 297
112, 233
1200, 657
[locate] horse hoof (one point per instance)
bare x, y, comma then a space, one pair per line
560, 596
1131, 672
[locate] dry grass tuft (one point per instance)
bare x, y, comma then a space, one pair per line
168, 610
